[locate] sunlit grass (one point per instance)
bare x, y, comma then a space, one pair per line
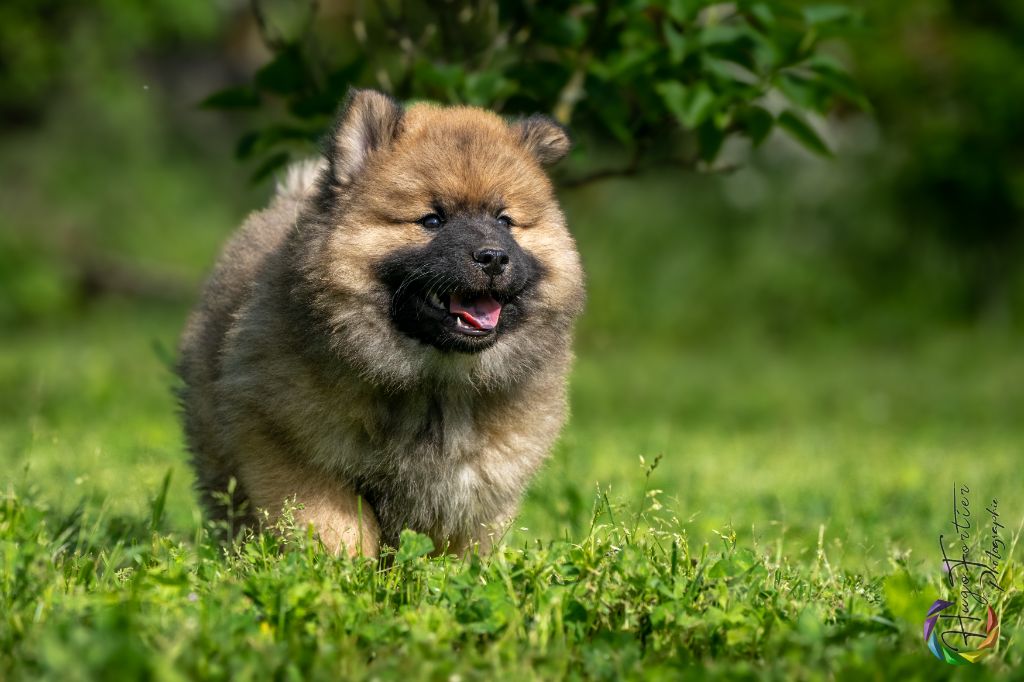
788, 532
790, 528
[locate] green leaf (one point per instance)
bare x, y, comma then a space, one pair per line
287, 73
158, 503
676, 41
691, 106
630, 63
827, 14
439, 81
241, 97
246, 144
802, 132
412, 545
806, 92
340, 79
904, 598
558, 28
758, 123
265, 169
764, 14
274, 135
723, 34
731, 74
833, 75
673, 94
683, 11
483, 88
710, 138
610, 108
722, 568
702, 104
317, 104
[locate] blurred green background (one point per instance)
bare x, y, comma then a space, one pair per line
813, 344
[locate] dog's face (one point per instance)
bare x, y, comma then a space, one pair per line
465, 287
443, 239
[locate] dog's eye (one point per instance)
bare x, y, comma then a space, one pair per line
431, 221
504, 221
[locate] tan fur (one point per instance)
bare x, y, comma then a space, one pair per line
298, 385
337, 513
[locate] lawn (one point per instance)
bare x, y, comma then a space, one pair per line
751, 485
788, 530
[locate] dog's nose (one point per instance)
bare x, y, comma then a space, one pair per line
492, 261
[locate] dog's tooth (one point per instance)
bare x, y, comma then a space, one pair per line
435, 300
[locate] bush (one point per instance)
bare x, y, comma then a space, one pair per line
668, 81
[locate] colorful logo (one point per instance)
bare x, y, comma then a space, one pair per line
951, 656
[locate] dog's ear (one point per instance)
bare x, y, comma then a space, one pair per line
369, 121
543, 137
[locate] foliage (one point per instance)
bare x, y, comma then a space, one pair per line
950, 95
44, 45
667, 80
96, 596
105, 576
795, 391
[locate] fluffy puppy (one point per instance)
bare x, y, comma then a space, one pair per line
388, 343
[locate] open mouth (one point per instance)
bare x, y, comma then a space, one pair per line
475, 314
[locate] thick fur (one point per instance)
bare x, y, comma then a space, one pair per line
300, 385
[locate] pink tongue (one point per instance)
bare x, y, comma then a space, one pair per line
481, 312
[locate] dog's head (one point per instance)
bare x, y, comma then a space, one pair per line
440, 245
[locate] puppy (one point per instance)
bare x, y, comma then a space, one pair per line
388, 343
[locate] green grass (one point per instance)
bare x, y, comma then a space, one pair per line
807, 432
788, 532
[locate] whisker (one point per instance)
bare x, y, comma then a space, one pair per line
406, 281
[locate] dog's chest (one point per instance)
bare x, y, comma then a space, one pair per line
432, 429
436, 466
